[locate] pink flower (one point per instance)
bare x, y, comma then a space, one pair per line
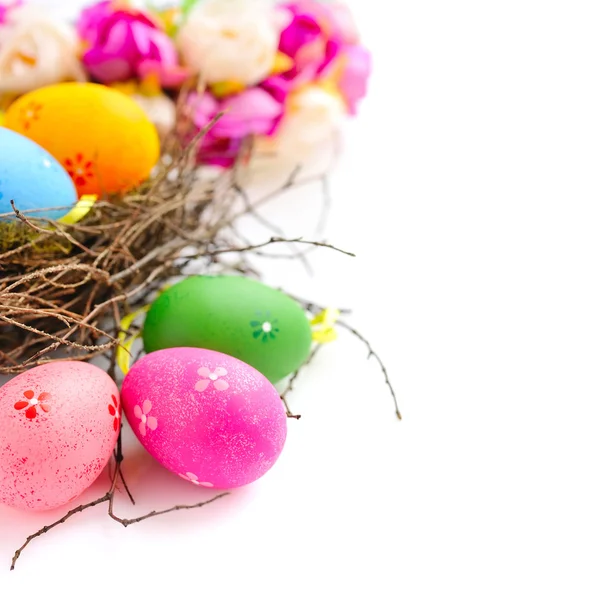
194, 479
214, 377
146, 422
125, 43
254, 111
5, 8
343, 20
311, 40
355, 71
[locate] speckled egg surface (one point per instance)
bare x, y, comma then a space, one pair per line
59, 424
102, 137
208, 417
32, 178
239, 316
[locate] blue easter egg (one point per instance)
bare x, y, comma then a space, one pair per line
32, 178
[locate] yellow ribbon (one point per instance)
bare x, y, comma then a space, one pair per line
124, 348
80, 209
323, 326
123, 355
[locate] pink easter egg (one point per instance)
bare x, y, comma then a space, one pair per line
208, 417
59, 424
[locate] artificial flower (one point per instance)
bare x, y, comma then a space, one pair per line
252, 112
159, 108
310, 39
35, 51
124, 43
232, 41
342, 19
6, 7
313, 114
353, 75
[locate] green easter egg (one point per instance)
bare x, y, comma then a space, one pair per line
234, 315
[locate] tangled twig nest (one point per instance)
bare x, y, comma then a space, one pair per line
65, 287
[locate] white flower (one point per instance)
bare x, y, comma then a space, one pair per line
231, 40
160, 109
313, 115
36, 50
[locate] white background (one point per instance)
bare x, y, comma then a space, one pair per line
469, 191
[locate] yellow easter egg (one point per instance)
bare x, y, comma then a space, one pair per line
102, 137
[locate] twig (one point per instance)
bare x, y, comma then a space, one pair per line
374, 354
250, 210
277, 240
119, 460
47, 528
109, 497
156, 513
292, 381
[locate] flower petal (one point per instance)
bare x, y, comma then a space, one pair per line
152, 423
204, 372
142, 429
147, 406
137, 411
220, 371
45, 407
21, 404
31, 412
28, 394
112, 410
202, 385
221, 385
44, 397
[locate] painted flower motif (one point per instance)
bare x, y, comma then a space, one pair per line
146, 421
79, 169
29, 113
114, 411
32, 403
214, 377
194, 479
265, 328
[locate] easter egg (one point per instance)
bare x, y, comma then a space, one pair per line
102, 137
33, 178
59, 424
208, 417
235, 315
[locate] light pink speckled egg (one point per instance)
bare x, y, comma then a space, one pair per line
59, 424
208, 417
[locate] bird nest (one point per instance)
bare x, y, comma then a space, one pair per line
65, 287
